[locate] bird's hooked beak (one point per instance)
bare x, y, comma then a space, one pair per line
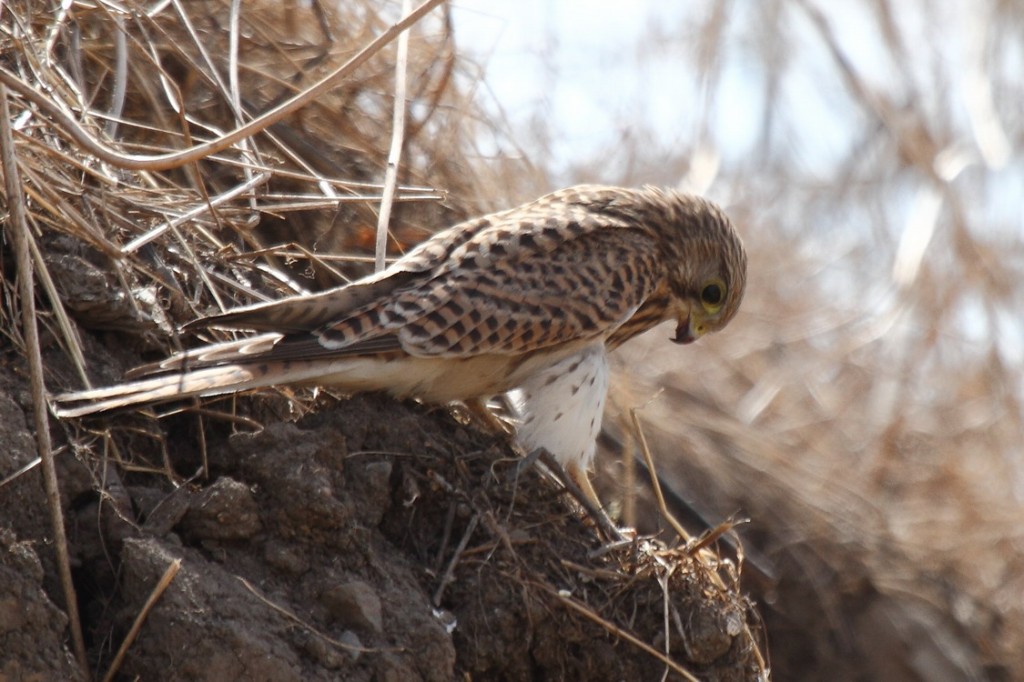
689, 329
684, 334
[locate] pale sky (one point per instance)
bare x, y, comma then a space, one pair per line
595, 69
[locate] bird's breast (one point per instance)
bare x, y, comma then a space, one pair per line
560, 407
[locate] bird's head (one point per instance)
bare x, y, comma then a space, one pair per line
707, 265
702, 268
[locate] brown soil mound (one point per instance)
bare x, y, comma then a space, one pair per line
372, 540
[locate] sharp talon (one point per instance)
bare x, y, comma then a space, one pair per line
486, 419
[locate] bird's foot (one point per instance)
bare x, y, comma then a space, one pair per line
486, 419
576, 482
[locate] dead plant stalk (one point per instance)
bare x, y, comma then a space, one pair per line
17, 227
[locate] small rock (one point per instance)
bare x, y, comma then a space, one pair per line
226, 510
162, 511
351, 639
327, 654
355, 605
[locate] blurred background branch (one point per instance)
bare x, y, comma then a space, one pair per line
865, 408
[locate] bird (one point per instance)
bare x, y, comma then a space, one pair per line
527, 301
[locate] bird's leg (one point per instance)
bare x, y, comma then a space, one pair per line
477, 408
576, 482
580, 478
573, 477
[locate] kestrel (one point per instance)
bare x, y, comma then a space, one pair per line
531, 298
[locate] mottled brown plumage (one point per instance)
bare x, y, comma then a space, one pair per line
528, 298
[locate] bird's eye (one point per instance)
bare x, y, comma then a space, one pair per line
712, 296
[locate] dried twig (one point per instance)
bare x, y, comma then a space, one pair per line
653, 473
140, 618
450, 570
19, 233
397, 140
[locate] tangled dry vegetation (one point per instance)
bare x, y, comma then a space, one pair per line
290, 535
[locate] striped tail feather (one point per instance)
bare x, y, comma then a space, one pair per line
225, 352
208, 381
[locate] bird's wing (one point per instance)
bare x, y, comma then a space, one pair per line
450, 248
308, 312
304, 313
559, 270
552, 278
580, 290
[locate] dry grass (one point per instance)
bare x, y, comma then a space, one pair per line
170, 81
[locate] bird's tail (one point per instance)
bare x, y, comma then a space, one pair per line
207, 381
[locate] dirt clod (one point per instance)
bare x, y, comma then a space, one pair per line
226, 510
355, 604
